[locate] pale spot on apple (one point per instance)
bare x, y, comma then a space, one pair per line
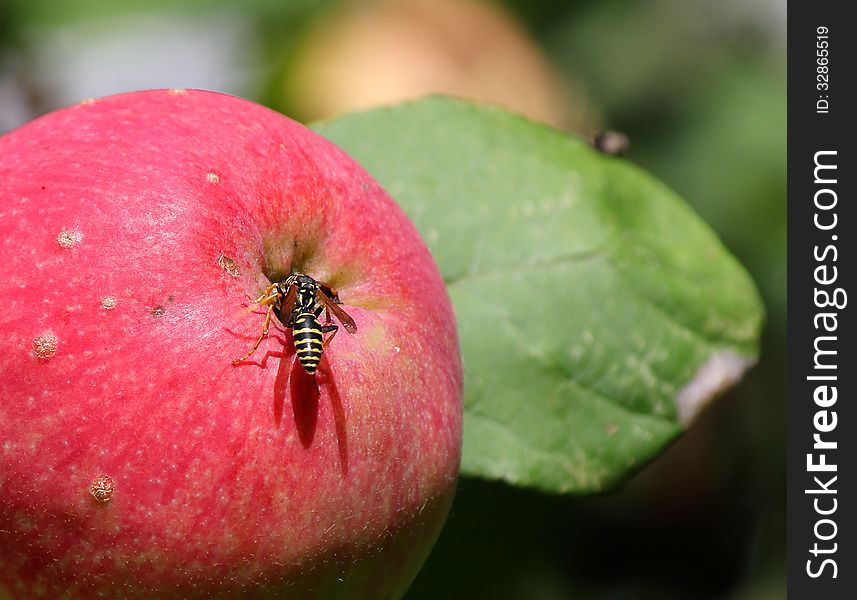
102, 488
720, 372
87, 101
228, 265
176, 91
108, 302
69, 239
45, 345
212, 177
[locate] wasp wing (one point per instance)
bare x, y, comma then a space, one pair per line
286, 306
341, 315
330, 292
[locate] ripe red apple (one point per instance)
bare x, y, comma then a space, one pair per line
136, 460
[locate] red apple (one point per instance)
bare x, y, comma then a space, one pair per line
136, 460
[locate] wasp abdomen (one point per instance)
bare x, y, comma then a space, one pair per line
309, 342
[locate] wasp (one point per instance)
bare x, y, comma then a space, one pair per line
298, 303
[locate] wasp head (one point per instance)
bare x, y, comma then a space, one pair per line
303, 282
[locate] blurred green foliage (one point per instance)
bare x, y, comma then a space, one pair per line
699, 87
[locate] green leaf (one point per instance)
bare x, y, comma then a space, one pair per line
596, 312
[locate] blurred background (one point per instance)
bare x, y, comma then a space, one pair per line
699, 88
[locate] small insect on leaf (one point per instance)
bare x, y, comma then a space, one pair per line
613, 143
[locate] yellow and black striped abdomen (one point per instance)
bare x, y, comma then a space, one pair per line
309, 342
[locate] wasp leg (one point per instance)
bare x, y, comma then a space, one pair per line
263, 364
266, 298
288, 351
238, 361
266, 295
328, 329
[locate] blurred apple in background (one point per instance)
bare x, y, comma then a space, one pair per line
372, 53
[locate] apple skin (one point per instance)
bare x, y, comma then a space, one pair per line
134, 228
